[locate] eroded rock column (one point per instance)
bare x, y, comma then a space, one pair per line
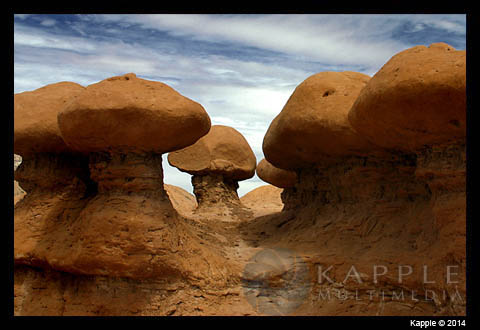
214, 190
130, 229
54, 177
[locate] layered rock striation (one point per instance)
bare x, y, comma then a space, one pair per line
54, 177
394, 200
126, 227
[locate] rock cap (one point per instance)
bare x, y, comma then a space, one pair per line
314, 124
223, 150
127, 113
35, 118
417, 98
276, 176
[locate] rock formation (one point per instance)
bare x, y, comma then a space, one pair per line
54, 177
126, 228
217, 162
379, 203
263, 200
416, 99
125, 123
314, 124
374, 219
276, 176
419, 97
280, 178
18, 193
182, 201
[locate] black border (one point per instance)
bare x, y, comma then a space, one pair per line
326, 7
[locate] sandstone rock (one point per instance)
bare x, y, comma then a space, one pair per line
126, 251
263, 200
55, 178
215, 191
38, 140
17, 160
385, 207
18, 192
217, 162
276, 176
35, 118
62, 294
373, 212
182, 200
129, 114
128, 227
222, 151
417, 98
314, 125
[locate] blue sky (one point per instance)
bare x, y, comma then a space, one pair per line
241, 68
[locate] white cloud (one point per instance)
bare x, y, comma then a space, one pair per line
449, 23
31, 37
333, 39
48, 22
21, 16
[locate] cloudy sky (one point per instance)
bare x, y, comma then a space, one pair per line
241, 68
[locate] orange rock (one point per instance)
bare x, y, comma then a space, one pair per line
35, 118
54, 178
217, 162
126, 227
263, 200
129, 114
276, 176
314, 124
416, 99
222, 151
182, 200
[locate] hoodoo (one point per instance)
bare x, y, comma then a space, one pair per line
217, 162
364, 214
129, 229
54, 177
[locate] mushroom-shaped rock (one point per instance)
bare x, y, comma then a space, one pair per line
416, 99
276, 176
314, 124
126, 123
130, 114
217, 162
223, 150
129, 229
47, 160
54, 177
35, 118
